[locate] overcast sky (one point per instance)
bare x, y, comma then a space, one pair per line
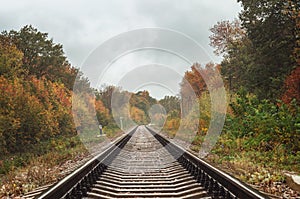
81, 26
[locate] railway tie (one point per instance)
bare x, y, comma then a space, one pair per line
144, 164
144, 168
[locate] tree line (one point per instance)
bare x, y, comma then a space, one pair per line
36, 82
260, 68
261, 72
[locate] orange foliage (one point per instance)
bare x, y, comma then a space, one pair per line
137, 115
99, 106
292, 86
200, 79
172, 124
32, 110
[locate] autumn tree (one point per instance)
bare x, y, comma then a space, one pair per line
41, 56
230, 40
292, 9
198, 81
272, 32
10, 58
138, 115
33, 111
292, 87
33, 108
105, 95
171, 103
261, 49
142, 101
226, 34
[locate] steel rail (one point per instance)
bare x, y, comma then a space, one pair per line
81, 179
219, 183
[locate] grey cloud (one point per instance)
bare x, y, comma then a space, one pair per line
81, 26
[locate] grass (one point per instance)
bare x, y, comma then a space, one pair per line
20, 173
261, 168
23, 172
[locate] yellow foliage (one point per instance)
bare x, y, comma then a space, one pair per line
137, 115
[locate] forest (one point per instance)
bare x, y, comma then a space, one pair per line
260, 68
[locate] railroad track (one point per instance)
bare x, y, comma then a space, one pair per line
143, 164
